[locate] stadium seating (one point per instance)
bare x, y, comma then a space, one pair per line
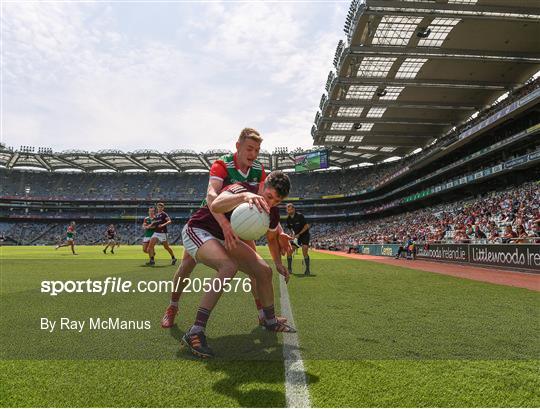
448, 223
35, 206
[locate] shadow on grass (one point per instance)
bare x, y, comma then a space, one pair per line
248, 364
304, 275
156, 266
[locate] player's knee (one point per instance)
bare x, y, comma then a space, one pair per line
265, 273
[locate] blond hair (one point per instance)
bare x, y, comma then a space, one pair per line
250, 133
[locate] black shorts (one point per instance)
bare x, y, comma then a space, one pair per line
303, 240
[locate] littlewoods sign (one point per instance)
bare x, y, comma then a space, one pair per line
526, 256
446, 252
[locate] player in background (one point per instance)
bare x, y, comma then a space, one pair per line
296, 223
70, 238
111, 237
204, 240
241, 166
149, 227
161, 221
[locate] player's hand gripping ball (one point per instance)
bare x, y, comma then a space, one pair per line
249, 223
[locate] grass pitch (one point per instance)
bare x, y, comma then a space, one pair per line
370, 335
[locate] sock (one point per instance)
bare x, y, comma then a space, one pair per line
174, 303
259, 308
270, 315
200, 320
195, 329
289, 262
152, 258
306, 259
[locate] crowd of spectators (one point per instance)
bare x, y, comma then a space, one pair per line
102, 186
181, 186
507, 216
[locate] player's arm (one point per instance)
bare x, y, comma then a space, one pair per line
284, 241
304, 229
228, 201
167, 222
214, 187
218, 173
272, 236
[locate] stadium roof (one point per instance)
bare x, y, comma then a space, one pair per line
137, 161
411, 70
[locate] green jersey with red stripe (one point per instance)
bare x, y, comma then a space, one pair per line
225, 168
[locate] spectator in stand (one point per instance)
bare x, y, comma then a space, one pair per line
536, 231
479, 234
494, 236
509, 234
521, 235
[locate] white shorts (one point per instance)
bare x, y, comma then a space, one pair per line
146, 239
160, 236
193, 238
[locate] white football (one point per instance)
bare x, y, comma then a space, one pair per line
248, 223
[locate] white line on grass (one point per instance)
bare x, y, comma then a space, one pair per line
296, 389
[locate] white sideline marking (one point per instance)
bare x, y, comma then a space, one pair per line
296, 389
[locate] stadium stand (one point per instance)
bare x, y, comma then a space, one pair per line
442, 193
479, 220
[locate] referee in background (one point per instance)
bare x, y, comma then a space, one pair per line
296, 222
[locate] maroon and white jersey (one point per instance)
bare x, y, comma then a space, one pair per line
203, 218
159, 219
111, 233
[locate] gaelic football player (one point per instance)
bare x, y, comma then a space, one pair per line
241, 166
70, 238
149, 227
204, 240
161, 220
110, 234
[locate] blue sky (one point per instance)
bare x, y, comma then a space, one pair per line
164, 76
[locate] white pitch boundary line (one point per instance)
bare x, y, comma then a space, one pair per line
296, 389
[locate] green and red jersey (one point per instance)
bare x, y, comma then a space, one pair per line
148, 232
226, 169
